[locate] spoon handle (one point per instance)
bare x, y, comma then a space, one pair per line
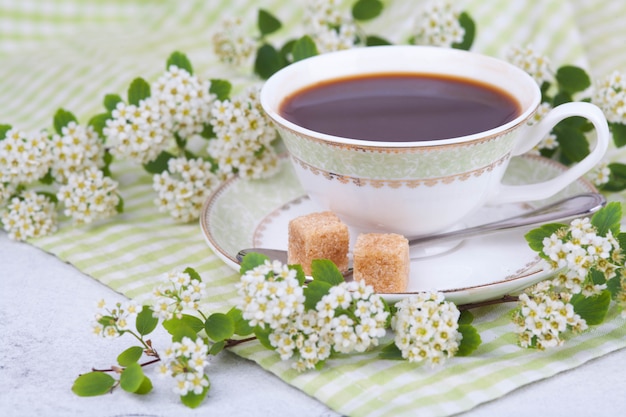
577, 206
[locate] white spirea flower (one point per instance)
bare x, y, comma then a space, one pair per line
185, 99
112, 322
24, 157
186, 361
183, 187
536, 65
330, 28
179, 105
350, 318
438, 24
542, 318
610, 96
178, 294
89, 196
232, 44
6, 191
578, 249
600, 174
243, 137
139, 133
426, 328
77, 148
29, 215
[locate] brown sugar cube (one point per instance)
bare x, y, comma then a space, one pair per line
318, 236
382, 261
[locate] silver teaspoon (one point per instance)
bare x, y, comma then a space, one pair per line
569, 208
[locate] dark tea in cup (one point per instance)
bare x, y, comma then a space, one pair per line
400, 107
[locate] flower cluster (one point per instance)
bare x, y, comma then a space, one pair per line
330, 28
24, 157
610, 96
88, 196
438, 25
243, 137
350, 318
178, 106
113, 322
76, 148
579, 249
181, 292
186, 361
536, 65
426, 328
231, 44
183, 187
29, 215
543, 316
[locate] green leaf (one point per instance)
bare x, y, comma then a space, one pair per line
130, 355
608, 218
194, 322
617, 129
62, 118
373, 40
3, 131
466, 317
99, 122
326, 271
267, 22
300, 275
119, 207
573, 142
50, 196
304, 48
471, 340
217, 347
263, 336
617, 178
267, 61
159, 164
314, 292
219, 326
179, 328
285, 51
572, 79
391, 352
251, 261
242, 327
111, 101
92, 384
614, 286
131, 378
48, 179
139, 90
535, 237
592, 309
193, 274
145, 387
221, 88
366, 9
193, 400
146, 322
179, 60
561, 97
468, 24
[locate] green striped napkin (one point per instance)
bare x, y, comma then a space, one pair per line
71, 53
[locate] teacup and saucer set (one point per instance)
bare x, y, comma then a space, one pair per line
377, 182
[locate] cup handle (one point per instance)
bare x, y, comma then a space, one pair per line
546, 189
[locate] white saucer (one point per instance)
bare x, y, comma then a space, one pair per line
244, 214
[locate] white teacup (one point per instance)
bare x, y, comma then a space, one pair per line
422, 187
